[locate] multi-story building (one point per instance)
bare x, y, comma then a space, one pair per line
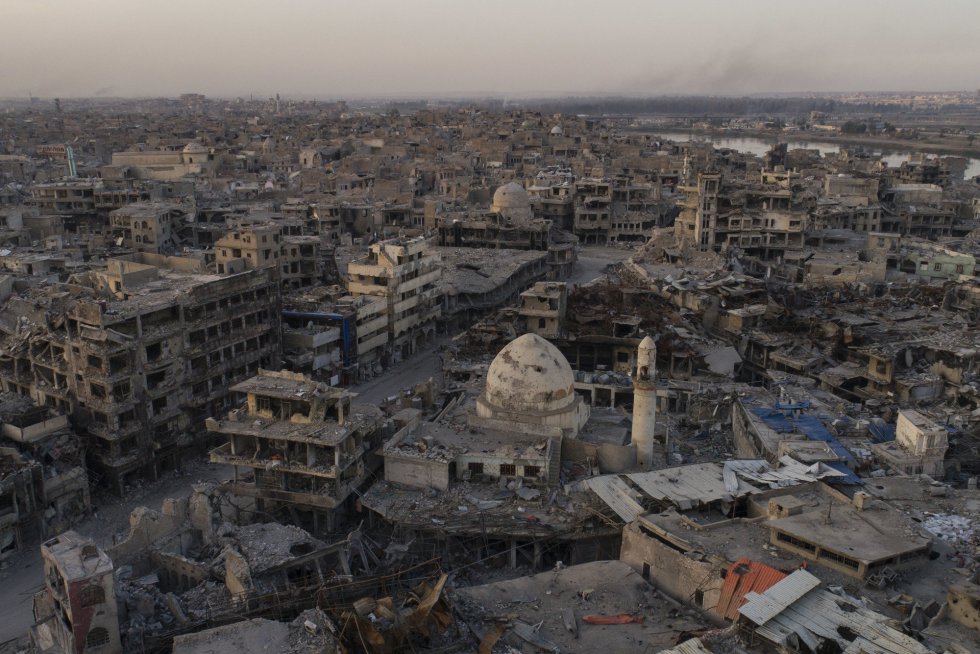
320, 340
76, 611
406, 273
371, 329
764, 220
300, 261
296, 444
552, 196
147, 226
43, 484
167, 163
543, 308
593, 210
67, 197
250, 248
917, 210
144, 354
21, 501
296, 258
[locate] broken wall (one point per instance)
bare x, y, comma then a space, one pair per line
672, 570
417, 472
611, 459
147, 528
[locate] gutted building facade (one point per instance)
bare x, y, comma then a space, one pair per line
141, 353
406, 273
296, 444
76, 611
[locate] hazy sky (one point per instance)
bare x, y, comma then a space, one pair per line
340, 48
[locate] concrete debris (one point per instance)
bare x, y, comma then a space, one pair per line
512, 379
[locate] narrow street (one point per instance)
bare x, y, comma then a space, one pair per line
402, 375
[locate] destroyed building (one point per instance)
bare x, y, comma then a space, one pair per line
45, 486
140, 354
763, 219
509, 224
406, 274
77, 611
297, 445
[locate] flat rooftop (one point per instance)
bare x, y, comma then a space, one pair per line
450, 441
598, 588
77, 556
288, 389
873, 534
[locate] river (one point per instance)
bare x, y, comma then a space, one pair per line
759, 147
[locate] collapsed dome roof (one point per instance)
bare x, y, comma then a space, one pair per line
530, 374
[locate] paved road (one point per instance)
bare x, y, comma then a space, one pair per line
402, 375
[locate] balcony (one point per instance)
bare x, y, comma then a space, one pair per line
224, 455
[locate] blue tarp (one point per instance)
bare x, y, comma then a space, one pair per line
775, 420
814, 429
798, 405
850, 480
881, 432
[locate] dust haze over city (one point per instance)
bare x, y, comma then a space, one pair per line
440, 48
504, 327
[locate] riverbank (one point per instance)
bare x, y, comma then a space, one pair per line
943, 147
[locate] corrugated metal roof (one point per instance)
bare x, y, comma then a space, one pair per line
790, 472
617, 495
689, 486
822, 615
744, 576
692, 646
760, 608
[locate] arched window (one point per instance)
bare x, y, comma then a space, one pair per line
92, 595
97, 638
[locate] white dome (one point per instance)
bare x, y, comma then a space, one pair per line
194, 148
530, 374
510, 196
557, 130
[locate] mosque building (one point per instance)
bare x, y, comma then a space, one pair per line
518, 426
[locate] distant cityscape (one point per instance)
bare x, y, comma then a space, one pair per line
681, 374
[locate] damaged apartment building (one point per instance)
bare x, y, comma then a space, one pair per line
298, 446
406, 274
44, 487
764, 219
140, 353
